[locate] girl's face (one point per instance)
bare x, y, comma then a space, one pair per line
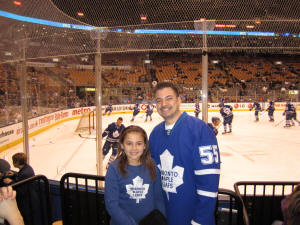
133, 146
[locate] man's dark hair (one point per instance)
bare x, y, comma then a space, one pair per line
120, 118
163, 85
293, 209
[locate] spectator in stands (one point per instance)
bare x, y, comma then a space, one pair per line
132, 183
25, 170
293, 208
4, 168
8, 207
25, 193
18, 116
290, 207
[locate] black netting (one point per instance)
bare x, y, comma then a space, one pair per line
59, 48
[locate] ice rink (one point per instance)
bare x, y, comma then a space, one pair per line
254, 151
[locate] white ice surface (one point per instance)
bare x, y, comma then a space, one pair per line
255, 151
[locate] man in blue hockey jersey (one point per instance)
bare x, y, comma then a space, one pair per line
149, 111
271, 109
290, 114
108, 110
197, 109
226, 113
112, 132
257, 108
136, 110
186, 151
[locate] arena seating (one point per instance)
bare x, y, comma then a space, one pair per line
234, 77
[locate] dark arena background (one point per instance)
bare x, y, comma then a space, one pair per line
63, 61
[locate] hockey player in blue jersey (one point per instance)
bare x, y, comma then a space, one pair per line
226, 113
197, 109
149, 111
136, 110
271, 109
294, 116
186, 151
257, 108
108, 110
112, 132
290, 114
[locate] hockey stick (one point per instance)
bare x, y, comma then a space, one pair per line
279, 123
87, 137
262, 113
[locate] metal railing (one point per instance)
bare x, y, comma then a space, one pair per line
262, 199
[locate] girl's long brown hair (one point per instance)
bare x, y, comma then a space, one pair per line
145, 159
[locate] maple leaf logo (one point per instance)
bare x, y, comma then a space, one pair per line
116, 134
171, 178
137, 190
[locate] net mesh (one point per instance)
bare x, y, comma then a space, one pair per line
86, 123
142, 42
30, 31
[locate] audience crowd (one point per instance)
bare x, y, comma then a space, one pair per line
128, 78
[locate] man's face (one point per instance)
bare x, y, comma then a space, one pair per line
119, 122
168, 105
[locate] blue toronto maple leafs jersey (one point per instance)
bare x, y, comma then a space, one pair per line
256, 106
128, 199
226, 111
136, 107
113, 131
290, 108
197, 108
189, 161
149, 109
108, 108
271, 107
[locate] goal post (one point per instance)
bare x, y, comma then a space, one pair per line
86, 123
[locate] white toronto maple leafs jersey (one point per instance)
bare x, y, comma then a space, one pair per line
128, 199
189, 160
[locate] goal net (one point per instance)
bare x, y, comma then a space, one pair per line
86, 123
